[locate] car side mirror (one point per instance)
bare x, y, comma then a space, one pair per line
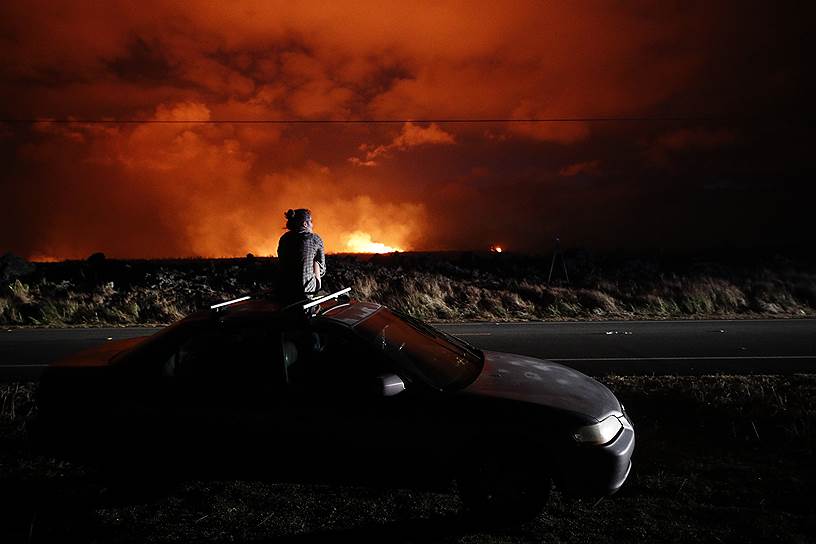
390, 385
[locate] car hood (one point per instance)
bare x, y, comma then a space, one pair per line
535, 381
96, 356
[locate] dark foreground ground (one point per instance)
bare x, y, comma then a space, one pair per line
461, 286
719, 459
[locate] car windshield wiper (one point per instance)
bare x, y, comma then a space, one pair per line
436, 333
462, 343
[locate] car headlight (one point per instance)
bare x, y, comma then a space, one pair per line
599, 433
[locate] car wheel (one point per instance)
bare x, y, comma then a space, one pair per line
497, 495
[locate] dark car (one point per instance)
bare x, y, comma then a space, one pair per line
339, 391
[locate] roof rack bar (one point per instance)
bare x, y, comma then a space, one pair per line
327, 297
227, 303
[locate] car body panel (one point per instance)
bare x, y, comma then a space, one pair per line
98, 356
544, 383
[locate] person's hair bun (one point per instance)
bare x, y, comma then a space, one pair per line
290, 214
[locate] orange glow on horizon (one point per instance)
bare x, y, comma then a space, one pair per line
360, 242
38, 258
496, 249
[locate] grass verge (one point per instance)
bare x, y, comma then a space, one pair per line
718, 459
433, 286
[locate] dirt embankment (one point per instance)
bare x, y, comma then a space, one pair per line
433, 286
718, 459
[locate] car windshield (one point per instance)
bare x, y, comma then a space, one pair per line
440, 359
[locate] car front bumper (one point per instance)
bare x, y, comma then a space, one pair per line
596, 471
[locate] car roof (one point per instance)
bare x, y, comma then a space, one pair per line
343, 310
261, 311
253, 308
350, 313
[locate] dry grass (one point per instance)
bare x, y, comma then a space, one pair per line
17, 405
439, 287
727, 408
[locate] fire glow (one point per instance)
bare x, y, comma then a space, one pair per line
360, 242
40, 258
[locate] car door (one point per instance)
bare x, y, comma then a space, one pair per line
226, 398
348, 427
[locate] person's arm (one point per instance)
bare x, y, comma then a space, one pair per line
319, 262
317, 274
320, 259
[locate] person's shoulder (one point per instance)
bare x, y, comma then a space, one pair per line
316, 237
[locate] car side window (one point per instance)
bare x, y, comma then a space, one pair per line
332, 358
226, 354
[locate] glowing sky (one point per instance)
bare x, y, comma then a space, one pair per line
153, 189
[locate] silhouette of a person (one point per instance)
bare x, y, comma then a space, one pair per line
301, 257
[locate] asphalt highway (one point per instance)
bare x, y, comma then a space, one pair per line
595, 348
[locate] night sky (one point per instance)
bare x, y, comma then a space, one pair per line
716, 151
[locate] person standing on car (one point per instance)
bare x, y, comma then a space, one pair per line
301, 257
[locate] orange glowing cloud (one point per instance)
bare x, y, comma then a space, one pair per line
669, 146
411, 136
166, 184
590, 168
698, 138
199, 179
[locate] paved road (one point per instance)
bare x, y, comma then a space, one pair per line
658, 347
596, 348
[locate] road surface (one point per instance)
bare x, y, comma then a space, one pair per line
596, 348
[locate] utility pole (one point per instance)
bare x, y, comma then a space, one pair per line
557, 253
